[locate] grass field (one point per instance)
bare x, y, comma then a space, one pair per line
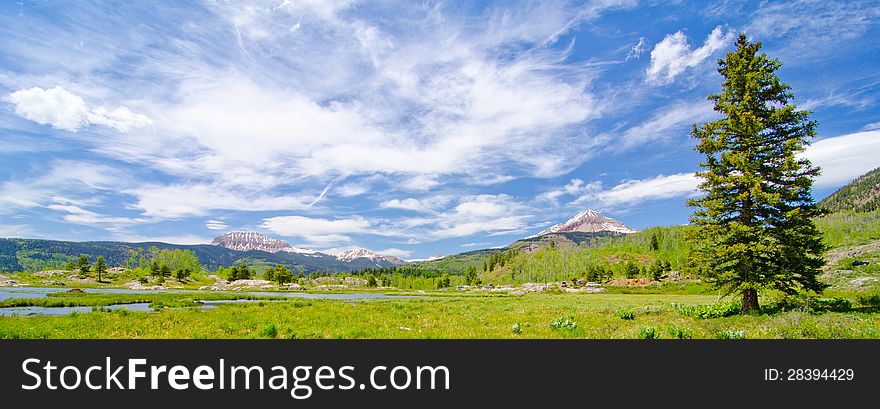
527, 316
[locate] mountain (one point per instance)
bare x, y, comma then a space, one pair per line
380, 260
248, 240
587, 221
37, 254
861, 195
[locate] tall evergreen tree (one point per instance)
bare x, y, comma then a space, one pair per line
84, 265
100, 267
753, 228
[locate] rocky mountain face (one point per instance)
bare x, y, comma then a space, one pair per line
354, 254
248, 240
588, 221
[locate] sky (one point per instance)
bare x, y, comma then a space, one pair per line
408, 128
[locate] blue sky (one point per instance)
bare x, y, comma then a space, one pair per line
413, 129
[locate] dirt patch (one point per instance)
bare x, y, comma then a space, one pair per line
631, 282
834, 256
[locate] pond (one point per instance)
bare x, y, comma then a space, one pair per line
41, 292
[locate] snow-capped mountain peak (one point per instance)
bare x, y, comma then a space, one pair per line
249, 240
354, 254
588, 220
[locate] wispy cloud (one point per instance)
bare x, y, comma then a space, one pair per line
671, 122
216, 225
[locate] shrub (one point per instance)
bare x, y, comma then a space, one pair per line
831, 304
649, 333
731, 334
626, 315
814, 304
870, 301
716, 310
680, 333
563, 323
269, 331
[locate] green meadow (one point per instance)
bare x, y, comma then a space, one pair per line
603, 315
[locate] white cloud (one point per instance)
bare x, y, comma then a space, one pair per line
316, 230
405, 204
674, 120
53, 106
673, 55
216, 225
659, 187
63, 110
631, 192
843, 158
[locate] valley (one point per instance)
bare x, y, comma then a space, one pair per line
590, 277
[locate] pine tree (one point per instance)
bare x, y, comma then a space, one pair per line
753, 228
282, 275
84, 265
100, 267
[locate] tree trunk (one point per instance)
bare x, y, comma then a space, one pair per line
749, 300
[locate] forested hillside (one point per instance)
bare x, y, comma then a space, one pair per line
861, 195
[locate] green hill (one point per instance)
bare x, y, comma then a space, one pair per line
36, 254
860, 195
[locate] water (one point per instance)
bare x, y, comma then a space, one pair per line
41, 292
57, 311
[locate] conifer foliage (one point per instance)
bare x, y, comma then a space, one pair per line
753, 227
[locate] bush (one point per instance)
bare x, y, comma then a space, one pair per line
814, 304
831, 304
731, 334
649, 333
869, 301
563, 323
680, 333
626, 315
716, 310
269, 331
